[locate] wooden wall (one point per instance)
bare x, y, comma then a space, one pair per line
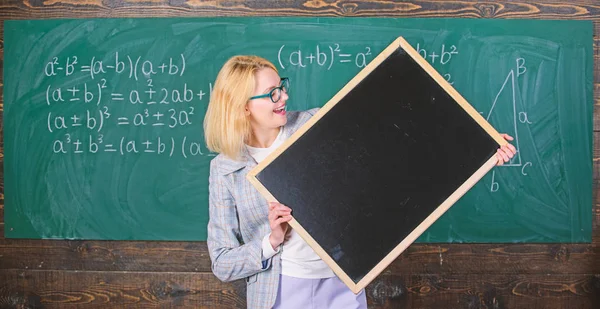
102, 274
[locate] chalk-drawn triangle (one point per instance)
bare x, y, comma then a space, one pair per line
504, 112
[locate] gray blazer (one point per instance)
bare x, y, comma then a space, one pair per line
238, 222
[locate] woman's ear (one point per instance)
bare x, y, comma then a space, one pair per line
246, 110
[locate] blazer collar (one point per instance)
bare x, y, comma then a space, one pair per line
229, 165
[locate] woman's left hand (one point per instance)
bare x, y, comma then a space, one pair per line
506, 152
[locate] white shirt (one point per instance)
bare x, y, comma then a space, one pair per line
298, 259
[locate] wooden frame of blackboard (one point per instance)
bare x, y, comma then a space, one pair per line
400, 42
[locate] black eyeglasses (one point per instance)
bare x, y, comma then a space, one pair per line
275, 93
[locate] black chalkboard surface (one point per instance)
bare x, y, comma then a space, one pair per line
379, 163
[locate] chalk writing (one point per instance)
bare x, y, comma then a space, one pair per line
186, 147
510, 106
80, 114
322, 56
443, 56
439, 58
133, 67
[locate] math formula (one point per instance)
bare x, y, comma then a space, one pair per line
85, 106
325, 56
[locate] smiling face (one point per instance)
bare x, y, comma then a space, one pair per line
264, 114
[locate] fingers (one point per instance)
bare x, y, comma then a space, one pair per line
280, 224
507, 137
274, 214
279, 213
503, 155
283, 219
506, 152
278, 210
512, 149
275, 205
500, 159
509, 150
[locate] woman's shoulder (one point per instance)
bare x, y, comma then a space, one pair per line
223, 165
297, 118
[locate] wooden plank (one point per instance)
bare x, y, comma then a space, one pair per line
485, 291
498, 259
596, 154
596, 116
596, 92
104, 255
193, 257
67, 289
70, 289
24, 9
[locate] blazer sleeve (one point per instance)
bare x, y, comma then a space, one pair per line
231, 259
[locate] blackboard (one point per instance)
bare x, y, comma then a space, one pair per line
531, 79
379, 163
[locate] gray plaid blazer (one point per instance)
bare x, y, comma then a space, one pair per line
238, 221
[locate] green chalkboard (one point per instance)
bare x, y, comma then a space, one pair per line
103, 117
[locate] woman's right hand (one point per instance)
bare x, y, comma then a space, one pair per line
279, 216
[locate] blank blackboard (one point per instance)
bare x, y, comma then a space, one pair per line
86, 156
379, 163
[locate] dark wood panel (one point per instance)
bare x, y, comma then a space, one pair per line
71, 289
193, 257
596, 55
596, 155
498, 259
478, 291
580, 9
596, 115
75, 289
104, 255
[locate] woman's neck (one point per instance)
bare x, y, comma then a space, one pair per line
263, 138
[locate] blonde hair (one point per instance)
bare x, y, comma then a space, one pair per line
226, 127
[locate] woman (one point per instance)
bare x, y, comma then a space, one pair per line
245, 121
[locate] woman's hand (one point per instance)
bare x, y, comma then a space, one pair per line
506, 152
279, 216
